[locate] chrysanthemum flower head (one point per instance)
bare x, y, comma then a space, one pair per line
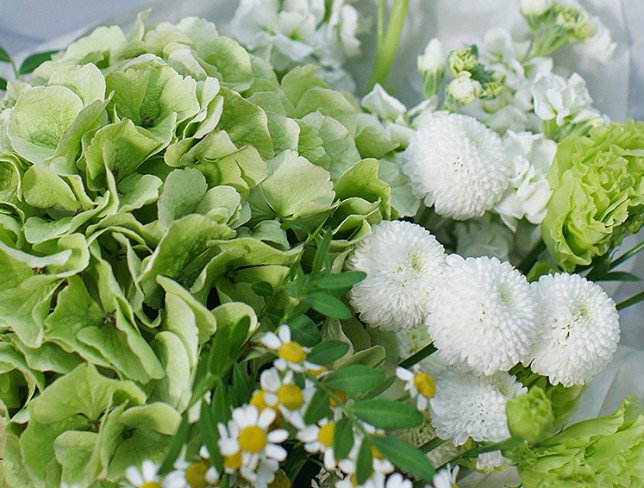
466, 405
402, 261
458, 165
578, 329
483, 315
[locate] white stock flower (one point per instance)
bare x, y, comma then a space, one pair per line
402, 261
339, 39
534, 7
466, 406
562, 100
146, 477
482, 315
600, 45
380, 103
433, 59
489, 461
578, 328
463, 89
531, 156
458, 165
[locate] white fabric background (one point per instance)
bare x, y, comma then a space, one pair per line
617, 88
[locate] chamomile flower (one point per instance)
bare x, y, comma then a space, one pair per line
318, 438
483, 315
290, 354
419, 385
402, 262
247, 440
467, 406
199, 474
578, 329
446, 478
457, 165
145, 477
380, 464
281, 393
377, 480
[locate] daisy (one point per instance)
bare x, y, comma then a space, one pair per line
247, 441
446, 478
419, 385
146, 477
290, 354
578, 329
199, 474
318, 438
402, 262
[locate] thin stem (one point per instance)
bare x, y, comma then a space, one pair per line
431, 445
475, 451
631, 301
531, 258
627, 255
388, 44
417, 357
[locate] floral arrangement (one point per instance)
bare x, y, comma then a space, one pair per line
222, 266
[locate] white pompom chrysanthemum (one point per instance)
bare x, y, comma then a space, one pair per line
466, 406
402, 261
578, 329
458, 165
482, 314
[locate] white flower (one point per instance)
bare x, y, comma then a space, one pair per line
378, 480
402, 261
466, 406
482, 315
578, 329
483, 236
419, 385
433, 59
458, 165
290, 354
463, 89
531, 156
534, 7
338, 40
600, 45
189, 475
446, 478
247, 441
380, 103
282, 393
489, 461
381, 466
562, 100
318, 438
146, 477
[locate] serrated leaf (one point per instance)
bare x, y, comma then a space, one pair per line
176, 444
262, 288
355, 379
318, 408
304, 331
342, 280
328, 305
342, 438
405, 456
4, 56
328, 351
364, 463
387, 414
35, 60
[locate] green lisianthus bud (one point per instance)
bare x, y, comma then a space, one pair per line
530, 416
465, 59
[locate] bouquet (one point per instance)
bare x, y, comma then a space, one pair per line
224, 265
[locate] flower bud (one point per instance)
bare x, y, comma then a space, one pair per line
534, 8
530, 416
463, 89
465, 59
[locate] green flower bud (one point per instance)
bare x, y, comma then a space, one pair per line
465, 59
494, 87
574, 22
530, 416
463, 89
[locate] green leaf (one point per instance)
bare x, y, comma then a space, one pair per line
387, 414
3, 84
619, 276
328, 351
210, 433
342, 280
219, 352
239, 334
35, 60
405, 457
262, 288
342, 438
304, 331
178, 441
321, 253
355, 379
364, 463
243, 385
4, 56
328, 305
318, 408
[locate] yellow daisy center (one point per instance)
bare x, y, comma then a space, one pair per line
425, 385
196, 475
290, 396
233, 462
291, 352
252, 439
151, 484
325, 434
258, 400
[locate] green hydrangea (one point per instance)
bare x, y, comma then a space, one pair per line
596, 453
598, 193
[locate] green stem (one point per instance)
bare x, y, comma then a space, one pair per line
431, 445
387, 43
627, 255
526, 264
631, 301
475, 451
417, 357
